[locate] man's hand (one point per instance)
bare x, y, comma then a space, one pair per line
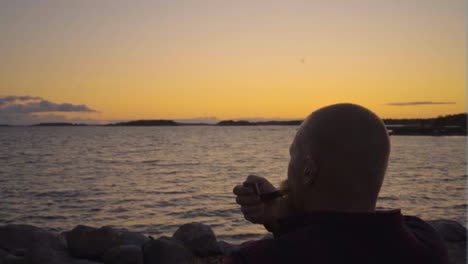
252, 207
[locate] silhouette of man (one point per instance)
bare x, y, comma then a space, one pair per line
338, 161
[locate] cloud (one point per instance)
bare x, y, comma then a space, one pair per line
11, 99
25, 110
30, 104
419, 103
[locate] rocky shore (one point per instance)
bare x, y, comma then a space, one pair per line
191, 243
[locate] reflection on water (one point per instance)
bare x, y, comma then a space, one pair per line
153, 179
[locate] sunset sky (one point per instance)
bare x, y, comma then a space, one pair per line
122, 60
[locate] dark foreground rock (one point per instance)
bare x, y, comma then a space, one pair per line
199, 238
91, 243
165, 250
193, 243
454, 235
25, 237
127, 254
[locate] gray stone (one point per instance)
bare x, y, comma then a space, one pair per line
131, 238
456, 252
12, 259
89, 242
24, 237
199, 238
92, 243
165, 250
450, 230
126, 254
84, 261
3, 253
454, 235
43, 254
227, 248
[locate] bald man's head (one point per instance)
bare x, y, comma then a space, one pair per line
338, 159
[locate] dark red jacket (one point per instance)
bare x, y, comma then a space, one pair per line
328, 237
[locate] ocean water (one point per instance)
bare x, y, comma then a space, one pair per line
153, 179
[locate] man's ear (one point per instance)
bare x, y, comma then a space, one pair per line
310, 171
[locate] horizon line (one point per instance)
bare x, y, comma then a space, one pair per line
193, 121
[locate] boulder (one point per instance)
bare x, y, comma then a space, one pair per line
3, 253
450, 230
12, 259
131, 238
199, 238
165, 250
126, 254
84, 261
24, 237
92, 243
454, 235
44, 254
89, 242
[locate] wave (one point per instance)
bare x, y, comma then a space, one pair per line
59, 194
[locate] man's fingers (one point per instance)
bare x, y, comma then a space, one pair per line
252, 209
251, 179
256, 218
248, 200
243, 190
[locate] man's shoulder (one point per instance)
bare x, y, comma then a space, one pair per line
410, 239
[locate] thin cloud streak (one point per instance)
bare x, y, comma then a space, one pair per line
419, 103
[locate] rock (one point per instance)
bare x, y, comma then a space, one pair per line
89, 242
454, 235
126, 254
131, 238
165, 250
450, 230
3, 253
44, 254
92, 243
24, 237
199, 238
227, 248
20, 252
12, 259
456, 252
84, 261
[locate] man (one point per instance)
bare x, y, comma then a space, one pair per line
338, 161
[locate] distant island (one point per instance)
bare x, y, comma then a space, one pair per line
59, 124
146, 123
443, 125
262, 123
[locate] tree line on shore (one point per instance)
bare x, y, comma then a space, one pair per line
442, 125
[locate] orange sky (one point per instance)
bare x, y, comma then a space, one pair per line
233, 59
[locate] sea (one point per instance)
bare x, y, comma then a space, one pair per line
154, 179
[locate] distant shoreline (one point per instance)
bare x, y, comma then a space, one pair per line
450, 125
